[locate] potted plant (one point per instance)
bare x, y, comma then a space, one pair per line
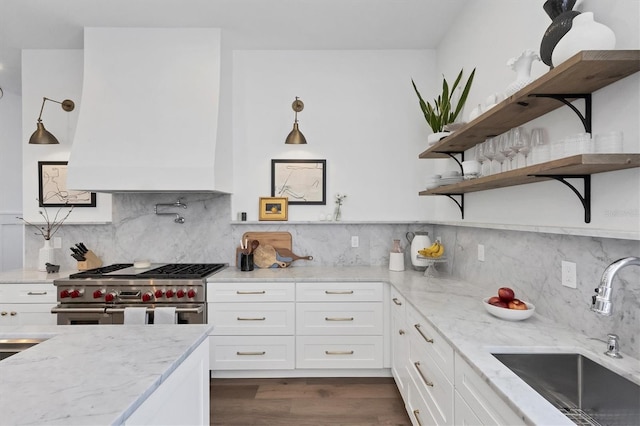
443, 111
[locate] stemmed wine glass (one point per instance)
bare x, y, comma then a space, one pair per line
518, 140
480, 157
490, 152
505, 151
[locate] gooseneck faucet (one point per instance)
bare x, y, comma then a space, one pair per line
601, 302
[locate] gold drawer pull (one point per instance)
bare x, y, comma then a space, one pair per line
401, 332
416, 414
3, 313
36, 293
13, 314
426, 381
251, 319
251, 353
396, 301
250, 292
338, 352
338, 292
338, 319
417, 326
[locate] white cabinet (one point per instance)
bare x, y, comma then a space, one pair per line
254, 325
339, 325
182, 398
431, 361
399, 342
480, 399
27, 304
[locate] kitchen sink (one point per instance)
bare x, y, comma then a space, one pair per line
584, 391
10, 347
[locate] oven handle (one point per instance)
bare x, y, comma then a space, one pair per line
197, 310
57, 310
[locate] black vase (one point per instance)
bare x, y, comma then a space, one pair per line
559, 27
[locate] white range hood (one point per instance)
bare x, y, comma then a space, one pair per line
149, 111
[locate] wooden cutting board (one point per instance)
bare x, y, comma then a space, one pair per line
265, 257
275, 239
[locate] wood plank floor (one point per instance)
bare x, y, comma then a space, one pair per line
357, 401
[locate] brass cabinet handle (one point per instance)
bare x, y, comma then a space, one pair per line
250, 292
338, 352
401, 332
426, 381
338, 292
3, 313
396, 301
416, 414
251, 319
338, 319
417, 326
36, 293
13, 314
251, 353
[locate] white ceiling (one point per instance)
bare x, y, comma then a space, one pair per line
246, 24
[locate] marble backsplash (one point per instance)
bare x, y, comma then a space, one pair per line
529, 262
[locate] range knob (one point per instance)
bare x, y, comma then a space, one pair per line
147, 296
181, 294
64, 294
191, 293
110, 297
76, 293
170, 293
98, 294
159, 294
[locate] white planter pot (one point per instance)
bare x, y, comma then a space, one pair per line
435, 137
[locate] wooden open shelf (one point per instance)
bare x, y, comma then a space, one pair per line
582, 74
577, 165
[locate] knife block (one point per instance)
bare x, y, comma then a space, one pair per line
92, 261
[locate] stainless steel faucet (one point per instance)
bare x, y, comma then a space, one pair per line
613, 349
601, 302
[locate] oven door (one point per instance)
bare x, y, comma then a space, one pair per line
187, 313
81, 315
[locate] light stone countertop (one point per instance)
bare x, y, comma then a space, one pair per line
91, 374
25, 276
455, 309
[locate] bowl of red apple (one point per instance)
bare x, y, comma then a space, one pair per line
506, 306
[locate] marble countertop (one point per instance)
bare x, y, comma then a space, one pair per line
23, 276
455, 309
92, 374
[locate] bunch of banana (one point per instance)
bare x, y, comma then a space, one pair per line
434, 251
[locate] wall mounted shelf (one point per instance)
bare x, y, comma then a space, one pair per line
576, 78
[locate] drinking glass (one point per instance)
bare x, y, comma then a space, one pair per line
506, 152
490, 152
539, 146
480, 157
517, 139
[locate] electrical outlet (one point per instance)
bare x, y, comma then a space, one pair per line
481, 252
355, 241
57, 242
569, 274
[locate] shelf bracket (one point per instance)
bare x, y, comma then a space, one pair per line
460, 203
453, 155
584, 199
586, 118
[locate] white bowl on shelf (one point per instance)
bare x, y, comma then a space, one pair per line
509, 314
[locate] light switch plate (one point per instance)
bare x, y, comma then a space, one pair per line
355, 241
569, 274
481, 252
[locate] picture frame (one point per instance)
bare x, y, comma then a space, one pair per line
52, 187
301, 181
273, 208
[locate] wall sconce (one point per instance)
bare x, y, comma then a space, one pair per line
296, 137
42, 136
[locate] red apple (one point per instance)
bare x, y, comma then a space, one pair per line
517, 304
492, 300
501, 304
506, 294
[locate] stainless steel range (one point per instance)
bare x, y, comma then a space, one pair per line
100, 295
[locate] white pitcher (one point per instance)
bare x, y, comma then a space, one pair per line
418, 240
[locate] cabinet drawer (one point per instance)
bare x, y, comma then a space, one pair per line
252, 352
481, 398
417, 407
251, 318
339, 292
250, 292
339, 318
437, 348
339, 352
434, 386
28, 293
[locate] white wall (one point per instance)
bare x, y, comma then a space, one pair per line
54, 74
484, 38
360, 114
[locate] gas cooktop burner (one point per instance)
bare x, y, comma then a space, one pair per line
158, 271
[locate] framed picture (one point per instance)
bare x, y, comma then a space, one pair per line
273, 208
52, 187
301, 181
